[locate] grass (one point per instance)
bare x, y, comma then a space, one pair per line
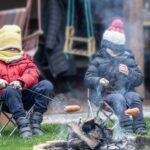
52, 132
147, 120
148, 126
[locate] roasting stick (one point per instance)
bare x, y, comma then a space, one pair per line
67, 108
89, 104
42, 95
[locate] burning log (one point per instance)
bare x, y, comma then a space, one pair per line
88, 125
58, 144
93, 132
52, 145
90, 141
77, 144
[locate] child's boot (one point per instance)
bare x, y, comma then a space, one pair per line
127, 126
24, 127
36, 119
140, 127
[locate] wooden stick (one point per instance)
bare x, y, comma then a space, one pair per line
91, 142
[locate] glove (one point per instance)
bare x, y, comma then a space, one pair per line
3, 83
16, 84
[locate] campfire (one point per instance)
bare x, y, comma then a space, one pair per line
92, 134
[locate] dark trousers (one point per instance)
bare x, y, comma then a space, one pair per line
18, 101
120, 103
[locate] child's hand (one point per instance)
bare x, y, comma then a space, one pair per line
104, 81
123, 69
16, 84
3, 83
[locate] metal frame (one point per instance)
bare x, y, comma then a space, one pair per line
107, 114
10, 119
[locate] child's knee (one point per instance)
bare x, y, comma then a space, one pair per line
133, 96
9, 90
47, 85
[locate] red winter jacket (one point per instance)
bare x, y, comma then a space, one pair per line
24, 70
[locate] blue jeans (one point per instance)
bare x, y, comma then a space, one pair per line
120, 103
18, 101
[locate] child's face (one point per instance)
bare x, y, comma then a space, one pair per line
13, 50
112, 53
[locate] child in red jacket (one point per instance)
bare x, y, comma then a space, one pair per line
18, 73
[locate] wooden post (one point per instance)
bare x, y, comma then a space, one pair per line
134, 31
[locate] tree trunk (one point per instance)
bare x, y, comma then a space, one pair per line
134, 31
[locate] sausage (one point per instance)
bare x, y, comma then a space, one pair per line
71, 108
132, 111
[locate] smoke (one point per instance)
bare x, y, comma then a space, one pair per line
118, 132
58, 104
98, 95
107, 10
62, 132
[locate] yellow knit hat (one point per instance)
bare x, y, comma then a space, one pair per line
10, 37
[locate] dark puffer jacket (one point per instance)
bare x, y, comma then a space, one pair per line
54, 13
105, 66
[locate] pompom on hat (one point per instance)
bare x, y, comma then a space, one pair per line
10, 37
114, 36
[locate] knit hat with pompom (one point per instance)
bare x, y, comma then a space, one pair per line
114, 37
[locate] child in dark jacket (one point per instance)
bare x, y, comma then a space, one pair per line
115, 70
18, 73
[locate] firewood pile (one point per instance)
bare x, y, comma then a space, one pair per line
92, 133
95, 136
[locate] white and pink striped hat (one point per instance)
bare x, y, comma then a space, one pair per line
114, 37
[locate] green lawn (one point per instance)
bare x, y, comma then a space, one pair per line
52, 132
148, 126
